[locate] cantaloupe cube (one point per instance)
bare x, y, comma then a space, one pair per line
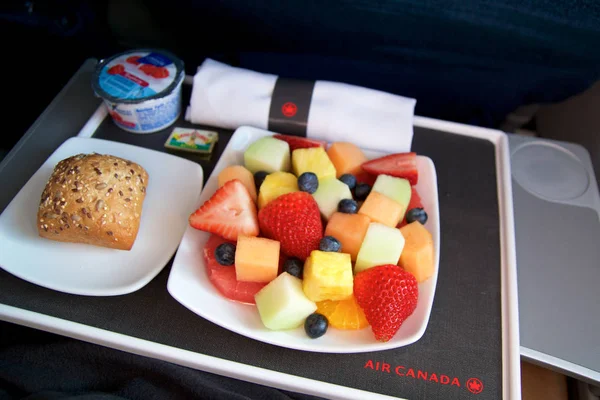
328, 276
346, 157
242, 174
256, 259
349, 229
417, 256
397, 189
382, 209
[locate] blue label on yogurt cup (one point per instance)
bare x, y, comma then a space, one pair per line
141, 89
138, 75
124, 88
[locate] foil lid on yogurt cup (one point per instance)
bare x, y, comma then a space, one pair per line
138, 75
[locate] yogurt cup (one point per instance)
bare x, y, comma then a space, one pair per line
141, 89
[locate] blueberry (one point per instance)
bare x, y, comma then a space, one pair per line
349, 180
308, 182
225, 254
348, 206
293, 266
416, 214
316, 325
329, 243
361, 191
259, 178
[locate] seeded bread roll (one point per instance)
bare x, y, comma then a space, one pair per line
94, 199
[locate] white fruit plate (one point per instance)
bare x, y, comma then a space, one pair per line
189, 284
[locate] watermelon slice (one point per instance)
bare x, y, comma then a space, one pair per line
415, 199
415, 202
223, 277
365, 177
401, 165
297, 142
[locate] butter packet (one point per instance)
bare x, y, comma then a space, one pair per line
194, 140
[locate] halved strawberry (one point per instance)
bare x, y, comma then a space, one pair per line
401, 165
388, 295
228, 213
294, 220
297, 142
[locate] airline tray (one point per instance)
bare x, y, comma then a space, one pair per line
469, 350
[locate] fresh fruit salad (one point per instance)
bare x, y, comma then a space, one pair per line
319, 236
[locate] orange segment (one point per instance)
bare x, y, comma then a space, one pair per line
343, 314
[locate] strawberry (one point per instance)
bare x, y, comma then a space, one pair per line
228, 213
401, 165
297, 142
388, 295
295, 221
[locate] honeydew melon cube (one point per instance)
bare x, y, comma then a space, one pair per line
282, 303
267, 154
328, 195
382, 245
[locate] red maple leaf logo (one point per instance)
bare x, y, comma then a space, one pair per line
289, 109
475, 385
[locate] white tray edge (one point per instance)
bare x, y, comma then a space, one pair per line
182, 357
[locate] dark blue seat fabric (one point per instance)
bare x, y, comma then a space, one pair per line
467, 61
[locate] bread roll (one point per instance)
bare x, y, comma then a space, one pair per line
94, 199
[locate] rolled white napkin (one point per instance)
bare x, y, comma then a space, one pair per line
230, 97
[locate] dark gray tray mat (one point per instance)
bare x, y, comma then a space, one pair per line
463, 338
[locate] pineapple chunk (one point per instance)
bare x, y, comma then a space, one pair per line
328, 276
315, 160
276, 184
